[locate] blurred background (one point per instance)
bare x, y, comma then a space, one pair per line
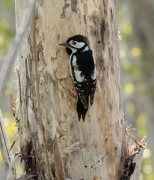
136, 26
7, 33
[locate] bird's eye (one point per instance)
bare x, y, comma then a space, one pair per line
74, 42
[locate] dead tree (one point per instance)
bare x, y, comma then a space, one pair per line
53, 143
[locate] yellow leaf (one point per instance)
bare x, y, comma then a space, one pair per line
136, 52
129, 88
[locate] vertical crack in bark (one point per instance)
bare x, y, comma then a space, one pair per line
103, 28
38, 98
27, 155
58, 161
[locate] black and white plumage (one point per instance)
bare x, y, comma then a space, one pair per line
83, 71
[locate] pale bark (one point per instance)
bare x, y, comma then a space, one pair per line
46, 113
5, 144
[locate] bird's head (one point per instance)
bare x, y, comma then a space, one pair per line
74, 44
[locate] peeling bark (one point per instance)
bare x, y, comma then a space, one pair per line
52, 139
133, 160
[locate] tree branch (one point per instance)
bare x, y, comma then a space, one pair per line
5, 143
11, 55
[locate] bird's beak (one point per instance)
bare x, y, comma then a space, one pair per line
65, 44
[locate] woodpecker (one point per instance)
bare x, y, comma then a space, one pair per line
83, 72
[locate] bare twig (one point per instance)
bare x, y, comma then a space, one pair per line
11, 56
4, 143
13, 144
12, 174
58, 161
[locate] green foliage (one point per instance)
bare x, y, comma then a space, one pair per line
8, 4
6, 36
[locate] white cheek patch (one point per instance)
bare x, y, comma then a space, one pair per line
78, 76
79, 45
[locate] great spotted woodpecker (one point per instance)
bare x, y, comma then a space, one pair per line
83, 71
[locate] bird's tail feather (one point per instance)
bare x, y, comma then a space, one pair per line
81, 110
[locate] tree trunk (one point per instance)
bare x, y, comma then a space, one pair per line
53, 143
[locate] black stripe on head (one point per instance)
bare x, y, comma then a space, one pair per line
78, 38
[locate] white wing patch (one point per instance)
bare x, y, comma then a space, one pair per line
77, 73
78, 76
